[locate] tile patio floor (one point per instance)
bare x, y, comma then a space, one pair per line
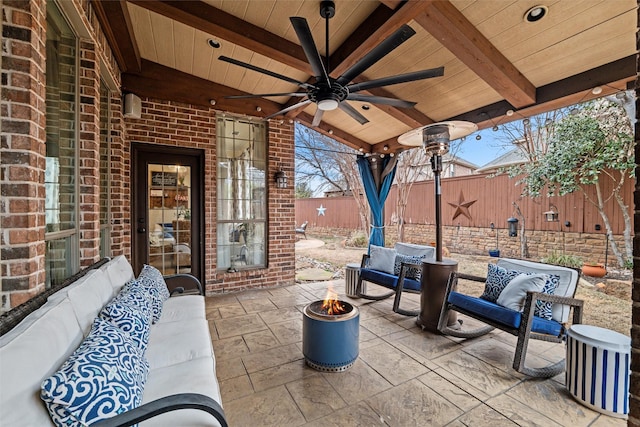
402, 377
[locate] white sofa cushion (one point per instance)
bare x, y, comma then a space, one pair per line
30, 354
119, 272
411, 249
183, 307
172, 343
194, 376
566, 285
89, 296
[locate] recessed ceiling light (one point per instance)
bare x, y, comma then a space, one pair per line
365, 107
536, 13
596, 90
213, 43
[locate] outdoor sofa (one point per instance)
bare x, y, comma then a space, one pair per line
39, 353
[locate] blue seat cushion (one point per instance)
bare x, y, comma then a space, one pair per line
387, 280
505, 316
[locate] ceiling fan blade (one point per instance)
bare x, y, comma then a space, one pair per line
401, 35
266, 95
317, 118
353, 113
292, 107
301, 27
394, 80
264, 71
381, 100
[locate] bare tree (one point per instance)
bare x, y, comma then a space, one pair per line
327, 165
407, 172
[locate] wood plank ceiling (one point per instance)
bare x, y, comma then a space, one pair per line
495, 61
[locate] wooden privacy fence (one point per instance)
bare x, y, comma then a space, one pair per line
486, 200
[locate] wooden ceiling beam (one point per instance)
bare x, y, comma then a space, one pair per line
374, 30
152, 80
221, 24
335, 133
612, 77
116, 23
450, 27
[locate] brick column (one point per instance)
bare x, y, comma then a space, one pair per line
22, 162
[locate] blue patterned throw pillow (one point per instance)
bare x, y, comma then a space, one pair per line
158, 280
135, 295
543, 308
130, 319
411, 272
104, 377
151, 281
497, 279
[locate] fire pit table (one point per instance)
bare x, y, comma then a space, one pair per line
330, 335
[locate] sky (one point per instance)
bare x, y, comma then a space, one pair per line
480, 152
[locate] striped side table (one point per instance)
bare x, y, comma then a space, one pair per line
598, 367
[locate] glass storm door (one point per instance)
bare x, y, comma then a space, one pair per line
167, 210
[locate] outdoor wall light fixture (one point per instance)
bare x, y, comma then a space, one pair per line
212, 101
513, 226
551, 215
281, 179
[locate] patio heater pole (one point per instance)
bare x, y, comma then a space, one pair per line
436, 166
435, 139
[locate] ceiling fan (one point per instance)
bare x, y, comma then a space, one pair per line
329, 93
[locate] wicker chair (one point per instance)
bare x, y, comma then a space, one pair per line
523, 325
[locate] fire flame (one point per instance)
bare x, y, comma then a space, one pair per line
331, 304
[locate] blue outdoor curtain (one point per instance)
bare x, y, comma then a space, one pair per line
377, 189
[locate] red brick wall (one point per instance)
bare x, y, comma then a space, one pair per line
177, 124
22, 161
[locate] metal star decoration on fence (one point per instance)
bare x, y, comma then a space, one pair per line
321, 210
462, 207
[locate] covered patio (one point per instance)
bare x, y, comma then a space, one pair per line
93, 91
403, 377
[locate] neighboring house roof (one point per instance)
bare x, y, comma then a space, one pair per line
515, 156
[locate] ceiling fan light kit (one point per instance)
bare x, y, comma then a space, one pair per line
330, 93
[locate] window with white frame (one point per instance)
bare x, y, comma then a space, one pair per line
242, 199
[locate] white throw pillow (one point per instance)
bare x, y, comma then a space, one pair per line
382, 259
513, 295
425, 252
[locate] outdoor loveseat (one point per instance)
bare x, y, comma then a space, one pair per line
398, 268
88, 354
527, 299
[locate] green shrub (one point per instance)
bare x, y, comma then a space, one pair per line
563, 260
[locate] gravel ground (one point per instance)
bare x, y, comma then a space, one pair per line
607, 301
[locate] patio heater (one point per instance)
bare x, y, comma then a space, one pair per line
435, 138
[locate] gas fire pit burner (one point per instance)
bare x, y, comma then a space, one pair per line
330, 341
